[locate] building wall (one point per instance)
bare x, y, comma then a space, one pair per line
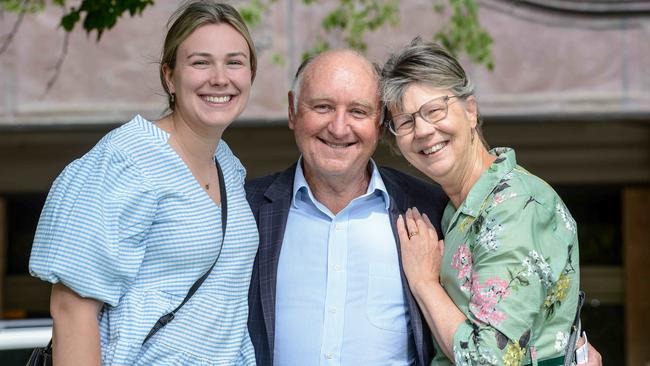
548, 62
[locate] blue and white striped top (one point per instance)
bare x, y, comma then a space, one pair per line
128, 224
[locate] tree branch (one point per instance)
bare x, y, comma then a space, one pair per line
9, 37
58, 65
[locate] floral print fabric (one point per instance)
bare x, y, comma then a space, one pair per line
511, 266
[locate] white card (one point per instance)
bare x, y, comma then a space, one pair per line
582, 353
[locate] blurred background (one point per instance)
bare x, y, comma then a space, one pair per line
564, 82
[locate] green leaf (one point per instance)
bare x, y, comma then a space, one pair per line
320, 46
350, 21
24, 6
464, 34
251, 16
337, 18
277, 59
523, 280
69, 20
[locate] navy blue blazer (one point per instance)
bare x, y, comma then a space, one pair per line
270, 199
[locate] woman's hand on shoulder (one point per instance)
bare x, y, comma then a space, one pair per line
421, 250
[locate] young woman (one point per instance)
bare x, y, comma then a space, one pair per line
130, 226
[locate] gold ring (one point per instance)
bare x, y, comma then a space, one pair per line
412, 234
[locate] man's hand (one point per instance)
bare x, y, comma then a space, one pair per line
594, 358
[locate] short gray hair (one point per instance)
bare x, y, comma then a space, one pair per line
425, 63
296, 85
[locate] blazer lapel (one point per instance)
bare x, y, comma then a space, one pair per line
272, 222
399, 202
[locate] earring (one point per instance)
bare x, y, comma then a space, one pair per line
472, 134
172, 97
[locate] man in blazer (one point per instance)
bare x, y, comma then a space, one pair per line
300, 311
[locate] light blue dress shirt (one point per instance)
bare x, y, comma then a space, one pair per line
339, 295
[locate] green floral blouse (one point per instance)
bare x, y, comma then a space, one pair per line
511, 266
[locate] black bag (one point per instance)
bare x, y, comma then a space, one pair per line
42, 356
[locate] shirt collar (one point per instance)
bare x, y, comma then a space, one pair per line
301, 190
505, 162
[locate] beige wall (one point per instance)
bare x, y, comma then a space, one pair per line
547, 63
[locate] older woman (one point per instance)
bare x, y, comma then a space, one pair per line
129, 227
503, 290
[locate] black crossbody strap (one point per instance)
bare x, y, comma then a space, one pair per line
165, 319
569, 356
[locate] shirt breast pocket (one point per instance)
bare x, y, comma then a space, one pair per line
386, 305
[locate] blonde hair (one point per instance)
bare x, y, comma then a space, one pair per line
190, 16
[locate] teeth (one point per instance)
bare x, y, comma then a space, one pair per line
434, 148
223, 99
337, 146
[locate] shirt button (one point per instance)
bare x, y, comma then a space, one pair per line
333, 310
339, 227
337, 268
329, 356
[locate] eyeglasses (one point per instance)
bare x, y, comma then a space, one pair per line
432, 112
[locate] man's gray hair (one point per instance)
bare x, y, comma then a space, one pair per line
296, 85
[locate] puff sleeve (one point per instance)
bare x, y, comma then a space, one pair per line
90, 235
